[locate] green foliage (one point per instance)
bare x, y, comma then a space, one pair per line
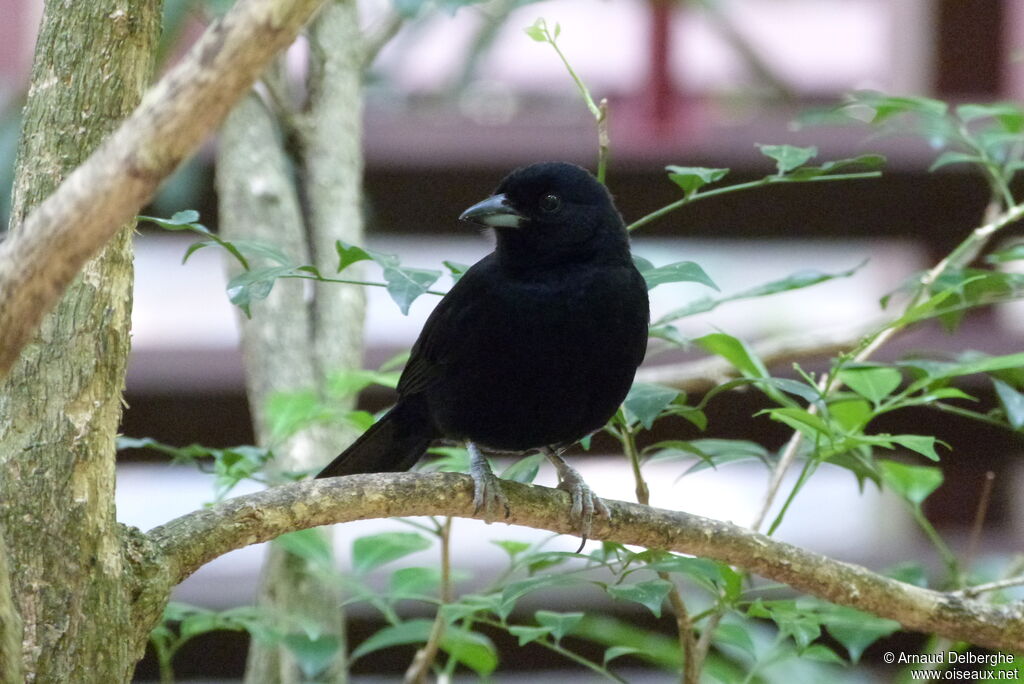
790, 168
986, 136
255, 283
831, 415
229, 466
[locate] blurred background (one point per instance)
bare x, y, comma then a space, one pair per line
461, 95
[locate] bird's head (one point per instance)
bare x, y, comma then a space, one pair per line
548, 211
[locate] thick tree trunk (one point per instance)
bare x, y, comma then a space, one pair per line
299, 336
61, 404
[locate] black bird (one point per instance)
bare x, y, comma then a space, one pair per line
534, 347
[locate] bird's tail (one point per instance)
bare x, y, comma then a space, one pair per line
392, 444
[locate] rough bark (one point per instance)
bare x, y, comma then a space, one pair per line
61, 403
194, 539
175, 117
10, 623
258, 201
300, 335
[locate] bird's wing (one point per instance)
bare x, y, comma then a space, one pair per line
440, 333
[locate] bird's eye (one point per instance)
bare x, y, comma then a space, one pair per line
550, 203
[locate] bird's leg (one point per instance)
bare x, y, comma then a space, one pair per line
584, 502
487, 494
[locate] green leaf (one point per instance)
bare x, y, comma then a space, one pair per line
679, 272
646, 401
735, 635
403, 284
1012, 401
856, 630
537, 31
511, 547
414, 582
822, 654
614, 652
795, 281
707, 574
310, 545
913, 483
404, 633
313, 655
802, 628
650, 593
289, 412
375, 550
936, 370
472, 649
953, 157
254, 285
719, 452
349, 254
788, 157
887, 106
874, 383
736, 352
528, 634
455, 269
352, 381
523, 469
650, 646
406, 284
1014, 253
922, 444
799, 419
559, 624
516, 590
851, 413
865, 161
692, 178
1009, 115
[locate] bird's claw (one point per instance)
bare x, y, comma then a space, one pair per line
585, 504
488, 497
487, 494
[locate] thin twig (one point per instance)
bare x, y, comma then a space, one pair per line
379, 35
767, 180
692, 662
979, 519
977, 589
424, 659
603, 141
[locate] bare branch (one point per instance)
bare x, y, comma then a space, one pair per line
192, 540
379, 35
42, 255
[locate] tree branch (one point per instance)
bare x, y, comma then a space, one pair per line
42, 255
192, 540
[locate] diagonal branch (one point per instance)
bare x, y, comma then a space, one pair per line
188, 542
42, 254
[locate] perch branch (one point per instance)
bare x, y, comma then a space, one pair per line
188, 542
41, 256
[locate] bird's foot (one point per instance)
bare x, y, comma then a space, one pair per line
487, 494
584, 502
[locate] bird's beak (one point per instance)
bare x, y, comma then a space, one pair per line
494, 212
